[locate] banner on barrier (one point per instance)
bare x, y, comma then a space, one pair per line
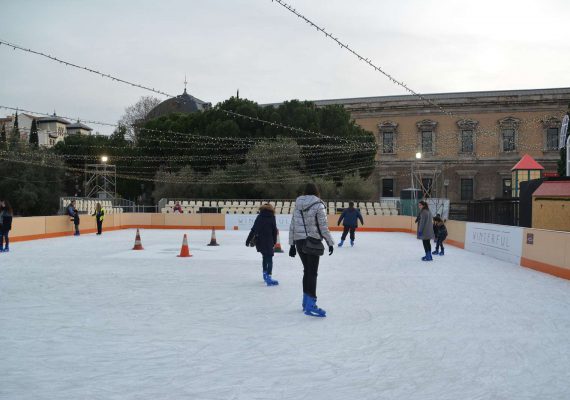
497, 241
244, 222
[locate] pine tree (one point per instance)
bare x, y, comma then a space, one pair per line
34, 140
16, 130
563, 150
3, 134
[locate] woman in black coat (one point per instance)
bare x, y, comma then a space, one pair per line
264, 231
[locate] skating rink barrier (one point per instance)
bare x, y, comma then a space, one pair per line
542, 250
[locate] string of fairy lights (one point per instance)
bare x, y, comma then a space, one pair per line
202, 139
184, 141
444, 139
405, 141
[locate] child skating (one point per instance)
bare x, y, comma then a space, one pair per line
440, 236
263, 235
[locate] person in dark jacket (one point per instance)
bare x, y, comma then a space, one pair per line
74, 216
264, 231
99, 215
440, 236
350, 216
6, 215
425, 229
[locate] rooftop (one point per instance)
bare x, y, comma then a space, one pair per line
553, 189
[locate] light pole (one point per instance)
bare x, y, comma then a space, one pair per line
104, 160
418, 157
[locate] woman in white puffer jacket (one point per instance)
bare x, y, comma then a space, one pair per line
309, 220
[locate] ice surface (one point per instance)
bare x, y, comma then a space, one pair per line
87, 318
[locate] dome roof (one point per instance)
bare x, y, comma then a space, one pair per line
184, 103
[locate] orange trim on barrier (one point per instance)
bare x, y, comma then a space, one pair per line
193, 227
47, 235
111, 228
363, 229
455, 243
546, 268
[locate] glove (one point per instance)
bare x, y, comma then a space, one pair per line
331, 249
292, 251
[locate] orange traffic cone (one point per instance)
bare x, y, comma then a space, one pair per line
277, 247
213, 239
185, 250
138, 244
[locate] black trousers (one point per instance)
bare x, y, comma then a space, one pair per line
352, 229
438, 244
427, 245
310, 270
4, 239
99, 227
267, 263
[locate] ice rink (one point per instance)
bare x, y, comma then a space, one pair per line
88, 318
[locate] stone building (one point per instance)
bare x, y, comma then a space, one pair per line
468, 141
184, 104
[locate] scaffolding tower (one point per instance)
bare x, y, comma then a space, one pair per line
101, 181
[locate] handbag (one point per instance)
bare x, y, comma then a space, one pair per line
253, 241
312, 246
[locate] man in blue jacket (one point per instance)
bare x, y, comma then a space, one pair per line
350, 216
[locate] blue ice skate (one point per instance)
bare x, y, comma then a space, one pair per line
268, 280
442, 252
427, 257
435, 252
341, 243
352, 243
311, 308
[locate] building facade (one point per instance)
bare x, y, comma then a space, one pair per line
468, 142
51, 130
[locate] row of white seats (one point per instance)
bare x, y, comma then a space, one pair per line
258, 203
361, 205
229, 203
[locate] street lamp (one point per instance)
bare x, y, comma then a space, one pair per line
104, 160
418, 157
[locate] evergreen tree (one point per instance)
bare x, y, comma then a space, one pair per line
34, 139
563, 150
3, 137
562, 162
16, 130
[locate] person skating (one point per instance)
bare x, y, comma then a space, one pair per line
265, 232
308, 227
6, 215
440, 236
350, 216
99, 215
425, 229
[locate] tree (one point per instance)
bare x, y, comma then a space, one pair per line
563, 150
562, 162
3, 137
32, 181
16, 129
34, 140
135, 114
355, 187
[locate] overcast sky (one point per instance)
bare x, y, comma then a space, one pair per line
270, 54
